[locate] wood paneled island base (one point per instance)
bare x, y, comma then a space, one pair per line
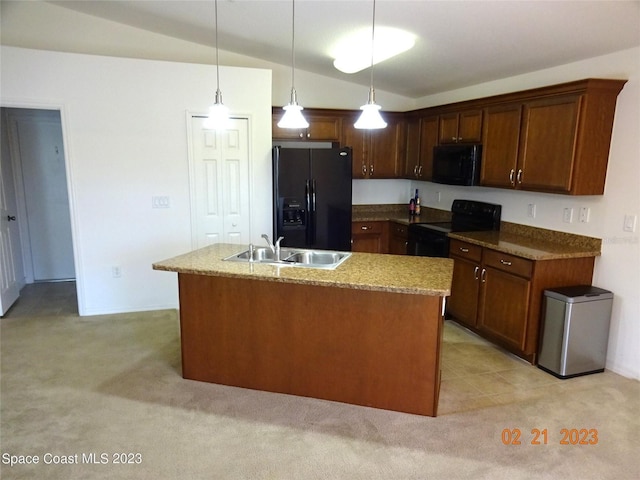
373, 348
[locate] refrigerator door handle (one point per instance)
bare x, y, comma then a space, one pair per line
313, 211
307, 202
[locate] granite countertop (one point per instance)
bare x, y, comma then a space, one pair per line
521, 240
361, 271
397, 213
552, 247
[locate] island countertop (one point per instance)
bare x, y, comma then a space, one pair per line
361, 271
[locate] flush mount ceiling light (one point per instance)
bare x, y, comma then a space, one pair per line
218, 118
370, 117
353, 53
292, 117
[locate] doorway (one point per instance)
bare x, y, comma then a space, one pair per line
219, 176
44, 252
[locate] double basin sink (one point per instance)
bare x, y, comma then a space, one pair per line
293, 257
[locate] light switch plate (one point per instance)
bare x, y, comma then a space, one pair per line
630, 223
567, 215
531, 210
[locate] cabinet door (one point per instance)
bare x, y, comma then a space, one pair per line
412, 157
470, 126
368, 237
500, 137
504, 306
463, 302
285, 133
428, 140
448, 130
548, 143
398, 238
387, 149
462, 127
354, 138
324, 127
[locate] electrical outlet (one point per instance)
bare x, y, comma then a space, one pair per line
160, 202
116, 272
531, 210
438, 197
585, 213
630, 223
567, 215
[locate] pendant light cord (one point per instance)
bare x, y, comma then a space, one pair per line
217, 58
293, 37
373, 36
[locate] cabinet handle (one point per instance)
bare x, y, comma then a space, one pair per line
420, 171
301, 135
364, 170
519, 176
483, 275
454, 139
415, 171
308, 135
464, 250
475, 273
511, 174
459, 139
364, 227
371, 169
504, 262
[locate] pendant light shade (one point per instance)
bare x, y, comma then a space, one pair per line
370, 117
293, 117
218, 118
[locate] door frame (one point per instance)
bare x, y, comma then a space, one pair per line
17, 169
190, 115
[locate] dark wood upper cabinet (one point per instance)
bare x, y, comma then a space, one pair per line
500, 141
422, 136
376, 153
551, 139
461, 127
323, 126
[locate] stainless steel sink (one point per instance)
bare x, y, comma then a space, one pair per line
290, 257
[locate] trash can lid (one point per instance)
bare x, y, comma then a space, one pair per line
578, 293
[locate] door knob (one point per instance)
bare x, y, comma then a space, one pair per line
11, 218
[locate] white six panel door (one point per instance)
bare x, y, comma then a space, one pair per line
220, 183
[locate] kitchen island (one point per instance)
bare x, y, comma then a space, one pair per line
367, 333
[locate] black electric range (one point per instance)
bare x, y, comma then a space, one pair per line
431, 240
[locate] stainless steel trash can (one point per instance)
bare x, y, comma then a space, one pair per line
575, 330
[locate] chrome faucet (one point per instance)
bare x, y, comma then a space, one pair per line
275, 248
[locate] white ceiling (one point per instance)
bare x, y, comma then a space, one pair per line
460, 43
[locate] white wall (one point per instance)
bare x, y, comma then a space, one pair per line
125, 129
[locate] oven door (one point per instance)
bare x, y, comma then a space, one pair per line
425, 242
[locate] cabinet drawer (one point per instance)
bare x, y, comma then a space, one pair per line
366, 227
399, 229
465, 250
508, 263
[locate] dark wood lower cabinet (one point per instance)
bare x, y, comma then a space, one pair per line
500, 296
341, 344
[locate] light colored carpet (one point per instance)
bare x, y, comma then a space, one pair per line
111, 385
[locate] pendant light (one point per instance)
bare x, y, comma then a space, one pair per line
293, 117
370, 117
218, 118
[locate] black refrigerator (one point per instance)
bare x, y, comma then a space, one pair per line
312, 197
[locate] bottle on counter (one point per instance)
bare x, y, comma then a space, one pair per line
412, 207
417, 203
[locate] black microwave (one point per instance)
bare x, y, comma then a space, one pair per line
456, 164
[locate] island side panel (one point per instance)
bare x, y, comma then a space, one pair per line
378, 349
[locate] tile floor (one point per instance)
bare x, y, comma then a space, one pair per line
475, 373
